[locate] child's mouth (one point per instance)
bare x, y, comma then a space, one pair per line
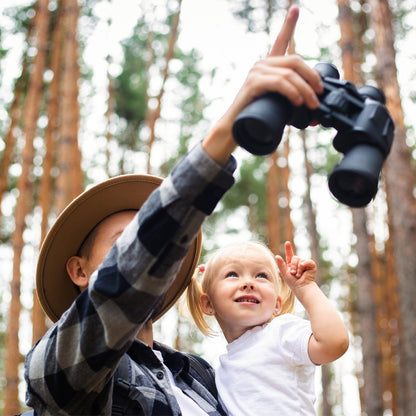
247, 300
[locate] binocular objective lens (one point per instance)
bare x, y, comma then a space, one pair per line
354, 181
257, 130
352, 185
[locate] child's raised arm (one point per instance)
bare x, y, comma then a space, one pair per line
329, 339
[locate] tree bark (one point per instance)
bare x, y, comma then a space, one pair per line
394, 327
108, 114
274, 238
400, 184
288, 224
154, 115
372, 394
69, 182
15, 117
24, 186
326, 373
46, 182
370, 305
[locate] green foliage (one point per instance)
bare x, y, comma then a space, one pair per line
3, 51
249, 192
20, 19
188, 76
191, 103
21, 16
131, 84
140, 80
403, 15
256, 14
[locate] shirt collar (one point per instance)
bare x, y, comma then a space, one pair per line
173, 359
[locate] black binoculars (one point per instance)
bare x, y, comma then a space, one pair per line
364, 127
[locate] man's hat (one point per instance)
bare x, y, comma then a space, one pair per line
55, 289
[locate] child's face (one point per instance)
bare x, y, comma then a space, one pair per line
243, 292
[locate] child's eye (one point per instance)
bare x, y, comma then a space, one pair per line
231, 274
262, 276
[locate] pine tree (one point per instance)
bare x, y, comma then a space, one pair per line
23, 206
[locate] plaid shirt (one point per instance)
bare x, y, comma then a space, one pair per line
70, 370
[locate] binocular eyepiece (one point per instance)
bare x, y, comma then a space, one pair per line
364, 127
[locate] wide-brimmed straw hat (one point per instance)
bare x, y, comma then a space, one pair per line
55, 289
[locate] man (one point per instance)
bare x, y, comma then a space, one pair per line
106, 271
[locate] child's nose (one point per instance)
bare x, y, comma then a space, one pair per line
247, 284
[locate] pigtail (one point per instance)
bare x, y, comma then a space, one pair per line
193, 295
288, 298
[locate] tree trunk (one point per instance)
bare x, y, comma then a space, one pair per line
394, 327
274, 238
51, 132
69, 181
326, 373
288, 224
24, 186
370, 299
400, 185
372, 403
10, 141
108, 114
154, 115
387, 321
15, 117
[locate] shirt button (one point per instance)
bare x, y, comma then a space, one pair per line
160, 375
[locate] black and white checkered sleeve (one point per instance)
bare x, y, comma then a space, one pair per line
69, 371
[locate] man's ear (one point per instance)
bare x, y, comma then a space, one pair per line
75, 266
206, 304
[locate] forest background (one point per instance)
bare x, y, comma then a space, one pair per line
98, 88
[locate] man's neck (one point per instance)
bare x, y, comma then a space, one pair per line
146, 333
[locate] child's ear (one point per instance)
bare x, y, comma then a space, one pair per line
278, 307
206, 304
75, 267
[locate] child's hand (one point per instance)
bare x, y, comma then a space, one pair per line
296, 272
329, 339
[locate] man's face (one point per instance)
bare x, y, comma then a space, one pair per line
102, 238
97, 246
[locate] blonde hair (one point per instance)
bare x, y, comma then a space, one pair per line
208, 271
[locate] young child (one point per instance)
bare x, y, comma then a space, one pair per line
271, 354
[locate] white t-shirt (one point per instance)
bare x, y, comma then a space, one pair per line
267, 370
187, 405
